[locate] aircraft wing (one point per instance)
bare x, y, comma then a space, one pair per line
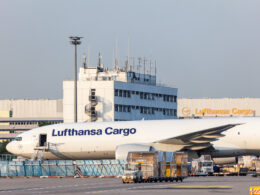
198, 140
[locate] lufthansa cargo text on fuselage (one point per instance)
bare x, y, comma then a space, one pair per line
87, 132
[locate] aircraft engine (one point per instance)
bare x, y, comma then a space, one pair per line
122, 150
227, 160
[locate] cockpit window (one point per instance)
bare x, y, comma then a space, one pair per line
18, 139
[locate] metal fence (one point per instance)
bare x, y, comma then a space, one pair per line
7, 157
62, 168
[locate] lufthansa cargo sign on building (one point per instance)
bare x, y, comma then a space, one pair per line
222, 107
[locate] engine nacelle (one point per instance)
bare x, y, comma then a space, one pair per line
122, 150
227, 160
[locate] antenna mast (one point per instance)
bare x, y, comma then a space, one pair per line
84, 61
100, 65
88, 55
144, 67
139, 65
133, 64
128, 56
155, 68
150, 67
116, 56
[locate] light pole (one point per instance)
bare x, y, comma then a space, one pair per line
75, 41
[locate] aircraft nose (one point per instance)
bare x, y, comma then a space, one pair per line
10, 147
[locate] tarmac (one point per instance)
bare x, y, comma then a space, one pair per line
192, 185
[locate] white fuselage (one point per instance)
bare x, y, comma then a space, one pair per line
99, 140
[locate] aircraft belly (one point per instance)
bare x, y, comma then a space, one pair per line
234, 152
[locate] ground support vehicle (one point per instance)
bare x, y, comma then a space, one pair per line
257, 168
202, 166
230, 170
153, 167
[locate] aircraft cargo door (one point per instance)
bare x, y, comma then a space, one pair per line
43, 140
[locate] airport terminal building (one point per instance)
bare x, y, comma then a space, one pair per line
17, 116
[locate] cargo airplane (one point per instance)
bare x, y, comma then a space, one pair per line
220, 137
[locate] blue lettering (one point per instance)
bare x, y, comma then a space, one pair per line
81, 132
53, 132
65, 132
126, 132
69, 132
74, 132
60, 133
93, 132
107, 130
116, 131
133, 130
99, 132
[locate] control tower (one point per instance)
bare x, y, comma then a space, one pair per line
120, 94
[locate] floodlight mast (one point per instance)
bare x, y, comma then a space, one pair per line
75, 41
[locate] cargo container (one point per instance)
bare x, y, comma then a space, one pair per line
257, 167
153, 167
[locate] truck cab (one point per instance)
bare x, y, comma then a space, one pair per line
202, 166
132, 173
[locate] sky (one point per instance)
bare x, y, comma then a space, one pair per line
205, 48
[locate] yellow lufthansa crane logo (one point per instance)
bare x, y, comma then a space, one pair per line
186, 111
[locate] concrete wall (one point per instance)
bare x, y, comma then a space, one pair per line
104, 92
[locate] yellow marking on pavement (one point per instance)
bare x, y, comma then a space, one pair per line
199, 187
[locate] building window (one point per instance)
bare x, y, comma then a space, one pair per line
116, 92
122, 93
153, 109
141, 95
175, 112
175, 98
171, 112
122, 108
145, 110
128, 94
